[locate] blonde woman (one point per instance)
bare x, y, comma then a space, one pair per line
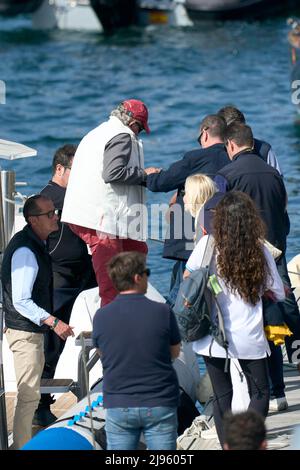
199, 189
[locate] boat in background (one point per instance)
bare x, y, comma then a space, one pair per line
110, 15
240, 9
294, 41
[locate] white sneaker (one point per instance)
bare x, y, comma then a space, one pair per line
278, 404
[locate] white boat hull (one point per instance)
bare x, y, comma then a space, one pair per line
66, 15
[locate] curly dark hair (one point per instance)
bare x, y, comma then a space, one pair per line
238, 231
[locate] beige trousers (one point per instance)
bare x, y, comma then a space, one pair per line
28, 352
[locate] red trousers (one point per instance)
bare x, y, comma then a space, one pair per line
103, 247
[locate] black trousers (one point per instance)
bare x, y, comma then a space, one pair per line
256, 373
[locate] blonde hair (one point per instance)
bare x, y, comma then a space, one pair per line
198, 189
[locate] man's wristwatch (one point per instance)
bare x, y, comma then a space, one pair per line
54, 324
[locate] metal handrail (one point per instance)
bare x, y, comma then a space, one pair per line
3, 419
85, 364
2, 231
8, 180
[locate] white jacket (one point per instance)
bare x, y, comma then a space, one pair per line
116, 208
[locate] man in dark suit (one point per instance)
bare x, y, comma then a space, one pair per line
249, 173
208, 159
261, 148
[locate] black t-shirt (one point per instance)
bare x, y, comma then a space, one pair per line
134, 335
68, 252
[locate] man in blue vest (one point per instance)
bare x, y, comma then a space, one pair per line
27, 303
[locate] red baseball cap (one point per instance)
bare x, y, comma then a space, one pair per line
138, 110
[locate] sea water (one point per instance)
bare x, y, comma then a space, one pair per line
58, 85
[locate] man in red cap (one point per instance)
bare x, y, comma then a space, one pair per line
138, 110
105, 197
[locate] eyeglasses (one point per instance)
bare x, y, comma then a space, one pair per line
199, 138
145, 271
49, 214
67, 167
140, 126
200, 135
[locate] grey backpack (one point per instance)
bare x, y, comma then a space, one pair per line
194, 303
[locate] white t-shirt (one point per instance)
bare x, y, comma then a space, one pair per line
243, 322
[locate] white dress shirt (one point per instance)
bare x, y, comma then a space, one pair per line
24, 269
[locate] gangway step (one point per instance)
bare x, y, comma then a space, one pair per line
56, 385
84, 337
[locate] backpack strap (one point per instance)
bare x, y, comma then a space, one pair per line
199, 226
221, 326
208, 252
211, 293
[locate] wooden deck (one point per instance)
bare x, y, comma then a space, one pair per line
62, 404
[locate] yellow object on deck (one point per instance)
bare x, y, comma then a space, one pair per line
277, 333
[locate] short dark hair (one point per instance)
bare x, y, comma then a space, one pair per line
244, 431
241, 134
122, 268
31, 205
231, 114
63, 156
215, 125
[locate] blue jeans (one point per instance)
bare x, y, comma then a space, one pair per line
124, 426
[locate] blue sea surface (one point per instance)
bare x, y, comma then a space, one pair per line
61, 84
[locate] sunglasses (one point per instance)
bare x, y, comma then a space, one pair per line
49, 214
139, 125
146, 271
200, 135
199, 138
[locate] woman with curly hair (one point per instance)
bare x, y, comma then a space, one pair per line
245, 270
